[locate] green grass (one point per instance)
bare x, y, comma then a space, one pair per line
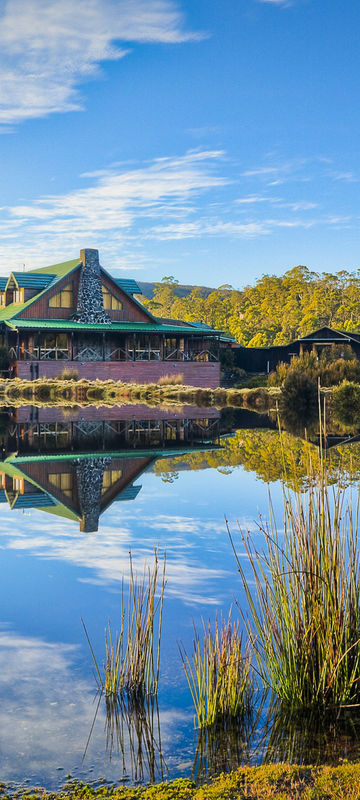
132, 656
275, 782
218, 674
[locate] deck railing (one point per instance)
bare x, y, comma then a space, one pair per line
118, 354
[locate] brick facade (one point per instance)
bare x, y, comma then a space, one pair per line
195, 373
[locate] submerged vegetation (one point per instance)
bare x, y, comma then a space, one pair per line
132, 659
218, 674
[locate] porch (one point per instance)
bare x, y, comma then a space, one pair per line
80, 347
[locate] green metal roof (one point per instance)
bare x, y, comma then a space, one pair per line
114, 327
57, 269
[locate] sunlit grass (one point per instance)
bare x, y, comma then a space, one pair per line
132, 655
218, 673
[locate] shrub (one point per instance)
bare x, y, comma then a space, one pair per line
298, 403
171, 380
69, 374
257, 399
345, 404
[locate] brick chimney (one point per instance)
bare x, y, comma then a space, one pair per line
90, 306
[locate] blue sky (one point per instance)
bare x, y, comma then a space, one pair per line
211, 140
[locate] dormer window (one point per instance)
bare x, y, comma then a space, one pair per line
18, 296
2, 298
63, 299
111, 302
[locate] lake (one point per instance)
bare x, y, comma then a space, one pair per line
80, 490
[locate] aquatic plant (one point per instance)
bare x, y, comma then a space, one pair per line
132, 657
304, 598
218, 673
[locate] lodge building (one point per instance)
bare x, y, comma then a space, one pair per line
266, 359
76, 315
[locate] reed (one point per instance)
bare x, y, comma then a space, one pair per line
218, 674
303, 597
132, 656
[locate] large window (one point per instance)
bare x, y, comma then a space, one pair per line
63, 299
111, 476
110, 301
62, 481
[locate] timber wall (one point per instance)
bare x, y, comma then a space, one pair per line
195, 373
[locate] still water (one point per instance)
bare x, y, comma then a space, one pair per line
80, 489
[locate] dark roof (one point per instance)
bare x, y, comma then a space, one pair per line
129, 493
128, 285
34, 500
29, 280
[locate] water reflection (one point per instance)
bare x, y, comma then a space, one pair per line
133, 733
102, 468
315, 737
76, 465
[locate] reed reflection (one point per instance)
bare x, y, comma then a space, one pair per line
310, 738
132, 734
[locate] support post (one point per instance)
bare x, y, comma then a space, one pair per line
134, 345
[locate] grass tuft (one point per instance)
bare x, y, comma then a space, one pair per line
218, 674
304, 613
132, 656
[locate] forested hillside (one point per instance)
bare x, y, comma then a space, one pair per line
275, 310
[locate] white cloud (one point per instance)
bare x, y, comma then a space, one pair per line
123, 208
47, 710
47, 47
106, 212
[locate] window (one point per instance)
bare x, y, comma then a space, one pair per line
2, 298
18, 296
110, 301
63, 299
18, 485
110, 477
62, 481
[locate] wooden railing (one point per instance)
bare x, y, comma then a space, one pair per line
118, 354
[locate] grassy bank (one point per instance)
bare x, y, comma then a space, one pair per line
82, 392
274, 782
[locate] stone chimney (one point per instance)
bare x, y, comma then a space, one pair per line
90, 306
89, 476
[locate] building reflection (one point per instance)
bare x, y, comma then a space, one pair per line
76, 464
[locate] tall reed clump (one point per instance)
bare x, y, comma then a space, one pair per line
303, 595
132, 656
218, 674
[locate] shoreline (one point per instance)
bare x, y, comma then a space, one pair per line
271, 782
15, 392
